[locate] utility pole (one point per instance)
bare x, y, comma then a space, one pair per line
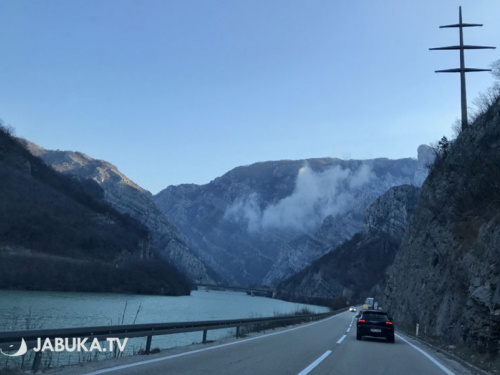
462, 70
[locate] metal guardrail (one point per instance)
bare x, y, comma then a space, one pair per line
11, 340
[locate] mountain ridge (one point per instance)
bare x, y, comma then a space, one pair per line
128, 197
240, 222
56, 233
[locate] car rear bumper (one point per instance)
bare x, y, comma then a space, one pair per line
375, 331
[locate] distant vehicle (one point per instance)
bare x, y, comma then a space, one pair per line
365, 307
375, 323
352, 309
370, 301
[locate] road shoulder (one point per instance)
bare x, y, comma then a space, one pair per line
451, 362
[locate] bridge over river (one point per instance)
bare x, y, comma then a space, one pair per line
262, 292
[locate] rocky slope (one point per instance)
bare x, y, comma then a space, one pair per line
296, 254
261, 223
446, 275
127, 197
356, 268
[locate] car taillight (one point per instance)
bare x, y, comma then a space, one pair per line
388, 323
361, 321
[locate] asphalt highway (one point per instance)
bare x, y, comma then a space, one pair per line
325, 347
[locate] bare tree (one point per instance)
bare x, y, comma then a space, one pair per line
456, 127
495, 69
7, 128
484, 100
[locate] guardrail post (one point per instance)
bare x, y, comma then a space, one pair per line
36, 362
148, 345
204, 337
237, 332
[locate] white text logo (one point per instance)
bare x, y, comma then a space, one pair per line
60, 344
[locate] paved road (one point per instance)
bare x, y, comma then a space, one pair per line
324, 347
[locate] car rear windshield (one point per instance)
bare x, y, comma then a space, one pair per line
375, 316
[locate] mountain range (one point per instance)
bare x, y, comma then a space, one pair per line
261, 223
256, 224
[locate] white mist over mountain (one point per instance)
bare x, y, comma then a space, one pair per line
316, 195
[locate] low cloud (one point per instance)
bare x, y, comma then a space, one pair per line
316, 195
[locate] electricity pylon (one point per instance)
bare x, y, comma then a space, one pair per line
462, 70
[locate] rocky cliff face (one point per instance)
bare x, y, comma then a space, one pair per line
264, 222
446, 275
391, 212
357, 267
296, 254
128, 197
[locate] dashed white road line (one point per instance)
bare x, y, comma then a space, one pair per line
341, 339
350, 325
309, 368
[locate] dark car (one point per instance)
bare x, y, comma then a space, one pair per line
375, 323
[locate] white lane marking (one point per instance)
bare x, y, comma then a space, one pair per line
309, 368
342, 338
349, 329
110, 369
428, 356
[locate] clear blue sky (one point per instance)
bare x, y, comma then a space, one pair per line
182, 91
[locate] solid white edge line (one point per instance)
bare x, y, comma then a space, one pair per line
116, 368
438, 364
309, 368
341, 339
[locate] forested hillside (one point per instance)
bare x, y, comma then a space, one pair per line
128, 198
56, 233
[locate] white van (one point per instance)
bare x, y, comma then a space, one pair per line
369, 301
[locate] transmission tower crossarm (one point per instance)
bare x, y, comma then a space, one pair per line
461, 47
458, 70
462, 25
